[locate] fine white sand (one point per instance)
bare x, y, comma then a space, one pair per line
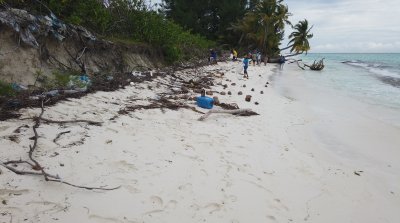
295, 162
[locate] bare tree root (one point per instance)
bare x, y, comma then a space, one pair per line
59, 135
316, 65
37, 167
241, 112
162, 104
71, 121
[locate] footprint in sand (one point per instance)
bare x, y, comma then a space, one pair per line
213, 207
157, 204
130, 185
185, 187
204, 172
47, 206
281, 205
124, 165
171, 204
3, 128
10, 192
101, 219
156, 201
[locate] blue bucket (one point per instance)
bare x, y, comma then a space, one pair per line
205, 102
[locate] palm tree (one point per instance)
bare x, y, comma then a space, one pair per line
263, 26
299, 38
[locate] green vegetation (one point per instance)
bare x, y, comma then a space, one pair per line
127, 20
207, 18
180, 27
61, 79
299, 38
249, 24
6, 89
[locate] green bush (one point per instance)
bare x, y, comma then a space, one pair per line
61, 79
172, 53
124, 19
6, 89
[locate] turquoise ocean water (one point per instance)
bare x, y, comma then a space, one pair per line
371, 78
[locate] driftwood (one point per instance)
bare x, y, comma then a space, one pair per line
59, 135
316, 65
241, 112
296, 61
37, 168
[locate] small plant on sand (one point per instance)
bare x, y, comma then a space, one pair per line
61, 79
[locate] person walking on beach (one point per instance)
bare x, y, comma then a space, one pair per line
282, 60
258, 58
213, 57
265, 60
234, 54
245, 66
254, 58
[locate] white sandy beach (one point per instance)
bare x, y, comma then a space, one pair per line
309, 156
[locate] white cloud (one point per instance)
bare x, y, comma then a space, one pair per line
350, 25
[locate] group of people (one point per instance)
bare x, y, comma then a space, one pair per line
255, 56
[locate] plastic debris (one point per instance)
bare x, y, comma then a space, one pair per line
52, 93
18, 87
29, 27
79, 82
137, 74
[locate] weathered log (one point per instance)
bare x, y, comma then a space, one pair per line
241, 112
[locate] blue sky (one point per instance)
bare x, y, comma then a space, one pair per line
358, 26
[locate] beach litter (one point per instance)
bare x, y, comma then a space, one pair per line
18, 87
205, 102
80, 83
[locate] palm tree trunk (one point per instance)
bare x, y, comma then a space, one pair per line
286, 47
292, 55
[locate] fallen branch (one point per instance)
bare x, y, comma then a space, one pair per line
70, 121
79, 57
162, 104
59, 135
46, 120
35, 165
241, 112
316, 65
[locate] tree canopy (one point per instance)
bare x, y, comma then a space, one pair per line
250, 24
182, 24
122, 20
207, 18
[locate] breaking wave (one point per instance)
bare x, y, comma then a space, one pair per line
386, 74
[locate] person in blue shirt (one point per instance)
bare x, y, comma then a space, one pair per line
245, 66
213, 57
282, 60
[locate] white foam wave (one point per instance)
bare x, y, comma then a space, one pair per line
374, 68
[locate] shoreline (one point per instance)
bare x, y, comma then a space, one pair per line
173, 168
